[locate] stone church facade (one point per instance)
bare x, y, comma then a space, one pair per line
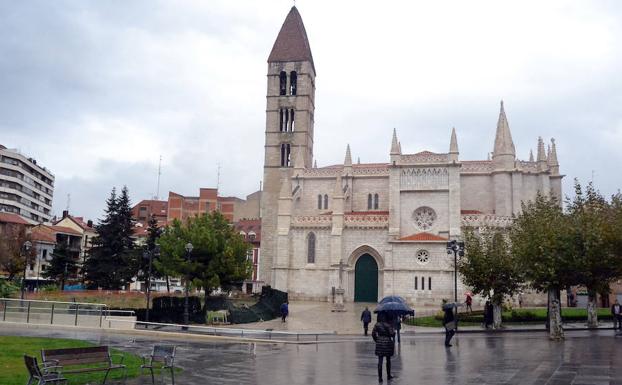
389, 223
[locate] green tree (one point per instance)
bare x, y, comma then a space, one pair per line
113, 260
62, 265
13, 256
541, 241
594, 238
489, 268
218, 258
153, 235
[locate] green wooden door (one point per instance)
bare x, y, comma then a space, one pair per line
366, 279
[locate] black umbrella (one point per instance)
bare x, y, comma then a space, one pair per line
394, 307
393, 298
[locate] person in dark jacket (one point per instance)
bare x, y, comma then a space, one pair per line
384, 336
616, 312
284, 310
449, 322
366, 319
488, 315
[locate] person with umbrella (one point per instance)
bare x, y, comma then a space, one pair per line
449, 321
384, 337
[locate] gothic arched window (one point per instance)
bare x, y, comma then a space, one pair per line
293, 80
285, 154
369, 206
282, 83
325, 201
319, 201
281, 120
375, 201
291, 120
311, 248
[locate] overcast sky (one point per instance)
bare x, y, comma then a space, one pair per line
96, 91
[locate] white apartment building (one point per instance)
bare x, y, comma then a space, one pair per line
26, 188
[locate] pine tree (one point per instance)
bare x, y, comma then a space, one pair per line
113, 261
62, 265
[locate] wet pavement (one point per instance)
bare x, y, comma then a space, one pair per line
585, 357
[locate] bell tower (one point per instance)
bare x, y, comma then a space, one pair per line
290, 107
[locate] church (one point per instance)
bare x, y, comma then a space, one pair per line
382, 228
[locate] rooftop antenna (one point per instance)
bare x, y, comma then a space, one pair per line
157, 197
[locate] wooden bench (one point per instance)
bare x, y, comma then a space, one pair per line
83, 360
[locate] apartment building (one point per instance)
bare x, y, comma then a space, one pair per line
26, 188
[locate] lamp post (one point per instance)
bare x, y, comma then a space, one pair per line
25, 248
189, 248
150, 254
457, 248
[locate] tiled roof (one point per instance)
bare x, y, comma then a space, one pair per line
423, 237
43, 234
292, 44
13, 218
470, 212
65, 230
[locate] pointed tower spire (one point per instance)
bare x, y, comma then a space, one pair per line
292, 43
358, 160
348, 160
541, 158
453, 146
552, 160
315, 163
504, 152
531, 155
395, 146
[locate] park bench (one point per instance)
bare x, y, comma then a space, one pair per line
43, 375
164, 354
83, 360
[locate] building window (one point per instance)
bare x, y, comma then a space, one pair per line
282, 83
291, 120
422, 283
293, 80
416, 283
44, 253
325, 201
375, 201
369, 206
281, 120
319, 202
429, 283
285, 154
251, 237
311, 248
422, 257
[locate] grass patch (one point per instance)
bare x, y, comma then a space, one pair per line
13, 371
515, 316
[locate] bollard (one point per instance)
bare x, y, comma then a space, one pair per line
76, 322
101, 316
52, 316
28, 313
4, 315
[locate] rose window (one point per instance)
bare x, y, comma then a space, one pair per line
423, 257
424, 218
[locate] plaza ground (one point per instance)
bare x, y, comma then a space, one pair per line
585, 357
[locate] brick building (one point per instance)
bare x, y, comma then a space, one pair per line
250, 229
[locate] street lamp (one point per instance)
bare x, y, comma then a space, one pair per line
189, 248
150, 254
457, 248
26, 248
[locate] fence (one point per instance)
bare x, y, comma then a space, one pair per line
64, 313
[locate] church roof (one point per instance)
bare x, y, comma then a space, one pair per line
292, 44
423, 237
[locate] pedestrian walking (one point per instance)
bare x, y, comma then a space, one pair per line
284, 310
449, 322
520, 300
616, 312
469, 302
397, 326
384, 336
366, 319
488, 315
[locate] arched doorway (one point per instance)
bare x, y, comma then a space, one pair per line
366, 279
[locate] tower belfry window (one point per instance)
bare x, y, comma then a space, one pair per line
369, 206
319, 201
285, 154
281, 120
291, 120
375, 201
293, 80
283, 83
286, 122
325, 201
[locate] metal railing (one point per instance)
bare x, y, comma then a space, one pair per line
57, 312
230, 332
